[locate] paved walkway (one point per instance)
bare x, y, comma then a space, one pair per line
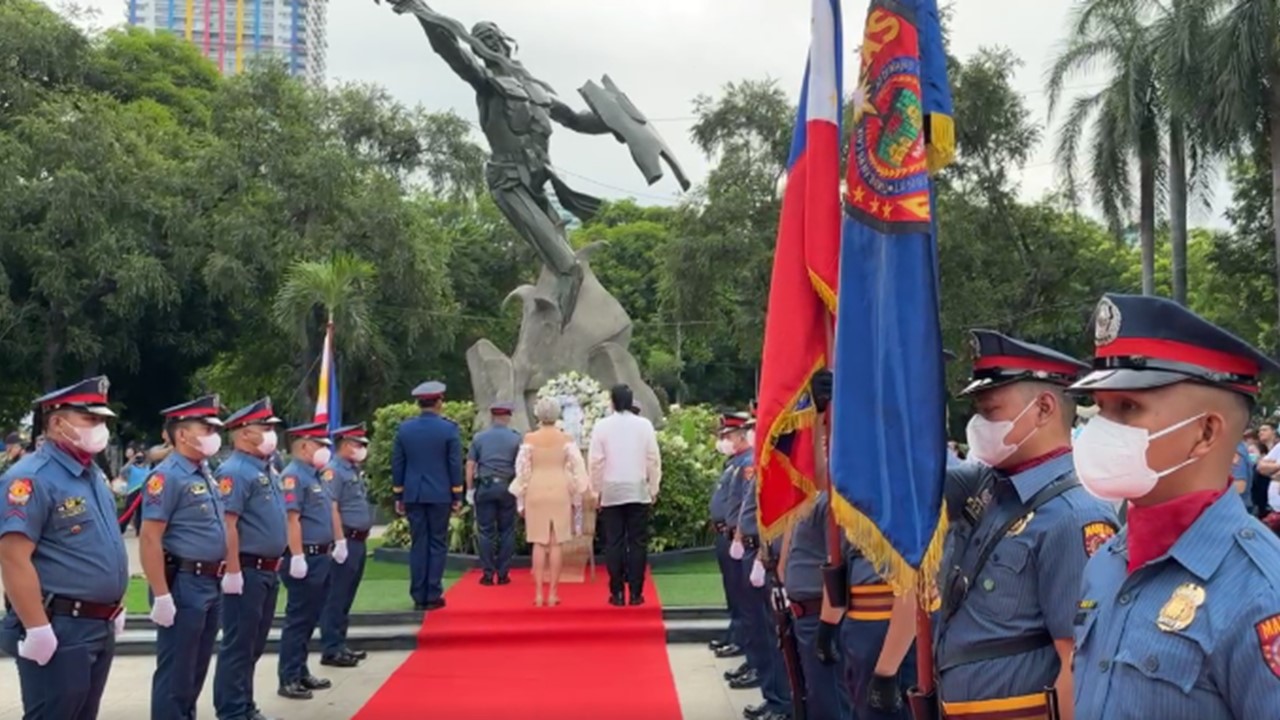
703, 693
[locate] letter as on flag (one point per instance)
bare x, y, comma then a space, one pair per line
802, 292
328, 407
888, 442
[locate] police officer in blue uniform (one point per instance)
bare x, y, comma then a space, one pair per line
253, 508
1023, 528
182, 547
1179, 615
315, 543
345, 478
62, 558
724, 508
491, 464
763, 653
426, 476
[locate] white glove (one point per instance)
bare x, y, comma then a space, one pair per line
471, 496
39, 645
163, 611
340, 551
119, 624
757, 573
520, 506
297, 567
118, 486
736, 550
233, 583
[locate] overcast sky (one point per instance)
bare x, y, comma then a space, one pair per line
663, 53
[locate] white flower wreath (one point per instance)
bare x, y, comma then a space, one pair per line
582, 403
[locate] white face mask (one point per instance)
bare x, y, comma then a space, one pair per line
92, 440
1111, 459
268, 443
360, 453
986, 437
209, 445
724, 446
321, 458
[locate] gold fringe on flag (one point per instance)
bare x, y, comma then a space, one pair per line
889, 564
824, 291
788, 421
941, 149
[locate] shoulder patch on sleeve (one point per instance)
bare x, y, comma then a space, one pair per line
1096, 534
20, 491
749, 472
226, 485
155, 484
327, 475
1269, 642
290, 482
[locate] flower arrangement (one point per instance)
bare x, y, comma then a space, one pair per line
582, 402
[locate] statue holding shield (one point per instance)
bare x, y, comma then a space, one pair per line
516, 113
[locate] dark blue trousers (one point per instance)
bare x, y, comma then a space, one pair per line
70, 686
429, 538
825, 698
246, 621
731, 577
763, 653
183, 650
343, 584
496, 523
861, 642
306, 598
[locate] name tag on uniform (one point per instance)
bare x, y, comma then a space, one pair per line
313, 489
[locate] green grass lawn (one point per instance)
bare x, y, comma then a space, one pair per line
385, 588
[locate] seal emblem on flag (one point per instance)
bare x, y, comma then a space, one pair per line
888, 180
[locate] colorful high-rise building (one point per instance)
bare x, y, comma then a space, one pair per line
233, 33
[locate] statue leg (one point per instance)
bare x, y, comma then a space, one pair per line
535, 220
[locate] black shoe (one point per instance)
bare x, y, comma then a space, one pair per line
359, 655
775, 715
257, 715
341, 660
294, 691
311, 682
754, 712
729, 651
637, 599
715, 645
746, 681
740, 670
486, 580
437, 604
504, 579
616, 600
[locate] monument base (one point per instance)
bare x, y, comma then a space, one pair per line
595, 343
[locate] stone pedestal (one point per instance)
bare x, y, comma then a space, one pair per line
594, 343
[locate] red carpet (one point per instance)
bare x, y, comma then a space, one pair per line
492, 654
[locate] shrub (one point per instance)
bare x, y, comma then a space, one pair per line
386, 421
690, 467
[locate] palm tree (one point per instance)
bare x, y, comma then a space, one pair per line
1245, 62
1127, 117
316, 293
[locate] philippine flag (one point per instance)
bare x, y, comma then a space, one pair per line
802, 292
328, 408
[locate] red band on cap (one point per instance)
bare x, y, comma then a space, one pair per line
430, 396
194, 412
86, 399
1012, 362
262, 414
352, 434
1175, 351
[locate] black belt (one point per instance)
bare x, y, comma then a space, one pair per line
492, 480
751, 542
70, 607
200, 568
321, 549
721, 527
257, 562
805, 608
356, 535
1003, 647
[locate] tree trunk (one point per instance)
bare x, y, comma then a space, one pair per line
53, 331
1273, 106
1178, 209
1147, 220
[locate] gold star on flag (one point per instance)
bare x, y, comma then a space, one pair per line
887, 209
875, 206
858, 194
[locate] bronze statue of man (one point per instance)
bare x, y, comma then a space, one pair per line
516, 110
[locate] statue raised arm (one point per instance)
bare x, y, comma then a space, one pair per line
516, 111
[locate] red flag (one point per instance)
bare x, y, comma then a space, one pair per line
802, 292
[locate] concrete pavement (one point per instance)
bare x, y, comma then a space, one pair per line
702, 690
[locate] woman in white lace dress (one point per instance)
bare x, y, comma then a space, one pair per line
551, 479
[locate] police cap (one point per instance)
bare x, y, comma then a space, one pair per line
88, 396
501, 409
430, 391
999, 360
732, 421
204, 409
256, 413
1144, 342
356, 433
318, 431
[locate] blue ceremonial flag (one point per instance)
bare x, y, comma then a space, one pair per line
888, 440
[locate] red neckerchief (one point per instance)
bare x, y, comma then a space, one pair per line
79, 455
1036, 461
1155, 528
